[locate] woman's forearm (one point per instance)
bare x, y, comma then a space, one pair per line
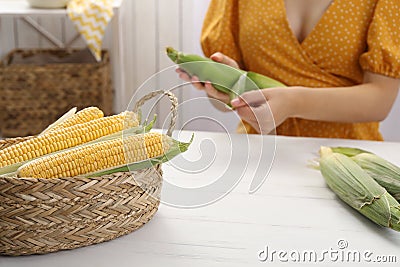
367, 102
361, 103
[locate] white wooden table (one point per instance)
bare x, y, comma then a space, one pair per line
21, 9
292, 211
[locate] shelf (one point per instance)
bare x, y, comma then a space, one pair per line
22, 8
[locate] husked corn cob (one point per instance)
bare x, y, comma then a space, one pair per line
99, 156
222, 77
82, 116
381, 170
359, 190
66, 138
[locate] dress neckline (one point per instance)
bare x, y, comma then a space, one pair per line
314, 29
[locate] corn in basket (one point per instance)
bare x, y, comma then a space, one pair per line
39, 216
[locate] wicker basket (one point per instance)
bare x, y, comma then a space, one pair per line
38, 86
39, 216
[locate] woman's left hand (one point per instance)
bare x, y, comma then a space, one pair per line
265, 109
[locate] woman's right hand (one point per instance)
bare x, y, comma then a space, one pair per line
207, 86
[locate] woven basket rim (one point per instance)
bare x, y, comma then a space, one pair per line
75, 184
70, 178
5, 61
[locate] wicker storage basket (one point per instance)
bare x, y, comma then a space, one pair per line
37, 86
38, 216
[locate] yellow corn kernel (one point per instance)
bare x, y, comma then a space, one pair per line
83, 116
99, 156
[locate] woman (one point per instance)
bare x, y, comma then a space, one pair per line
340, 60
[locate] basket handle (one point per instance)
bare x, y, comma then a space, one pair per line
6, 61
174, 106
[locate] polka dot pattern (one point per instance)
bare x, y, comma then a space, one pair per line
351, 37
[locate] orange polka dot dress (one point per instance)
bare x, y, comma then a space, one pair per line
352, 36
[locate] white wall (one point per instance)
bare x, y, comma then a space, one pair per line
390, 128
149, 27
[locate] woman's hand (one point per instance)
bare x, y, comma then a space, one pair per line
207, 86
370, 101
265, 109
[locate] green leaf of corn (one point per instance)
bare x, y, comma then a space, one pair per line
358, 189
223, 77
382, 171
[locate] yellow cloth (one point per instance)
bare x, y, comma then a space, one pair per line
352, 36
91, 18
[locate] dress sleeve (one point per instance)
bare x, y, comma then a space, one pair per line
383, 54
221, 28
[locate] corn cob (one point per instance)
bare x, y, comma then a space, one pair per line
95, 157
222, 77
82, 116
355, 187
66, 138
381, 170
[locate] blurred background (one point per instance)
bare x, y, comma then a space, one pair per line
147, 28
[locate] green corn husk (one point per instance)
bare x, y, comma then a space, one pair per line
222, 77
359, 190
348, 151
381, 170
